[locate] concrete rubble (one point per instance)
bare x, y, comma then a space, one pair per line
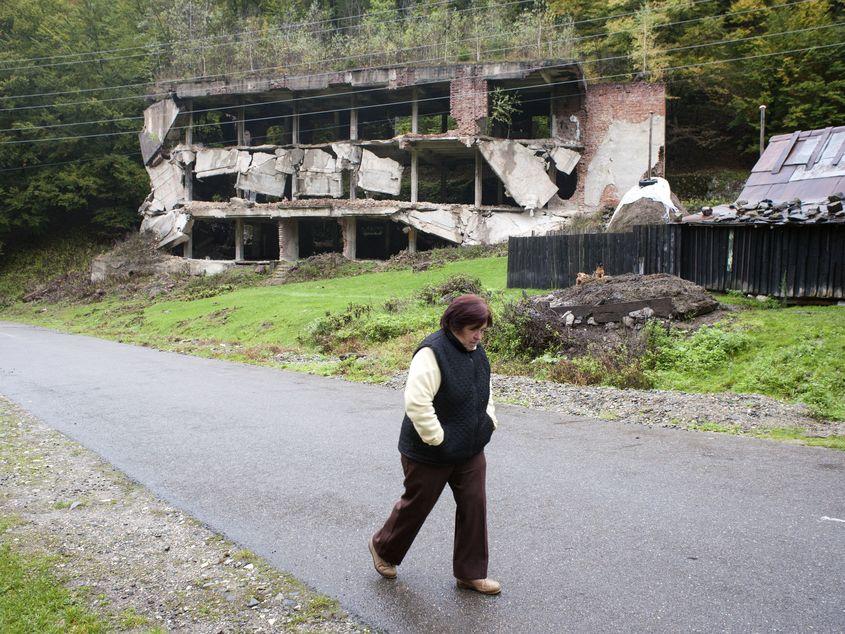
565, 160
288, 160
170, 229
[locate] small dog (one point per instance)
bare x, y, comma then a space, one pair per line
599, 271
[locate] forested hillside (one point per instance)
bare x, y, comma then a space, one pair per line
74, 74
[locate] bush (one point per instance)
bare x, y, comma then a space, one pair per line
450, 288
618, 366
522, 332
358, 324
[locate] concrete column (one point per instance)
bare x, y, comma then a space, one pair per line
189, 141
412, 240
188, 249
478, 172
294, 125
288, 239
415, 112
241, 126
552, 118
349, 227
239, 239
353, 136
415, 177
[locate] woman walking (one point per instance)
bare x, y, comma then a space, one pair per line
449, 419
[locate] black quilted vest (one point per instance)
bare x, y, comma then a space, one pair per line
460, 404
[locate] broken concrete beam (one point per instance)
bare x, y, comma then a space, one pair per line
167, 188
565, 159
522, 172
439, 221
158, 120
499, 226
169, 229
262, 177
217, 161
379, 174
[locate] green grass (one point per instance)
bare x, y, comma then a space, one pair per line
781, 434
32, 599
796, 354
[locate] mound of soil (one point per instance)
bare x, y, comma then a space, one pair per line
688, 299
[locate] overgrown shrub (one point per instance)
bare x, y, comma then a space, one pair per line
617, 366
522, 332
450, 288
358, 324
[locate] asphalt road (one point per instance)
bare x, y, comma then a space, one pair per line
594, 526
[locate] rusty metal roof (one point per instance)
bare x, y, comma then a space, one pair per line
806, 165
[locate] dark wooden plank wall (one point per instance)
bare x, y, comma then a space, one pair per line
792, 261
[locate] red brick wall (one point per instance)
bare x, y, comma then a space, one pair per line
606, 103
468, 100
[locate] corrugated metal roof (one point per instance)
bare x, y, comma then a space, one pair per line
807, 165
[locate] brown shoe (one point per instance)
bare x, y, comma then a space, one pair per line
484, 586
386, 570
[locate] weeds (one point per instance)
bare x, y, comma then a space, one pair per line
450, 288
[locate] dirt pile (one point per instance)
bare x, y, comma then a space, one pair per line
687, 299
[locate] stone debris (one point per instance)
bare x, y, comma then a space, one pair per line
565, 159
170, 229
167, 188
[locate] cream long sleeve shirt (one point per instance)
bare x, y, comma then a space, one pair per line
423, 382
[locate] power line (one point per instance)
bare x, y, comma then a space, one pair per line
592, 80
224, 108
279, 67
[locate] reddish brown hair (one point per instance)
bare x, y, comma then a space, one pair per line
466, 310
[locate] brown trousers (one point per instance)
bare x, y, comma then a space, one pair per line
423, 485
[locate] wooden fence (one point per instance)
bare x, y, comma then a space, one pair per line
783, 261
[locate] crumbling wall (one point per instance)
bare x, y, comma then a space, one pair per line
468, 101
616, 139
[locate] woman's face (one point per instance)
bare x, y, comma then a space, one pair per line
470, 336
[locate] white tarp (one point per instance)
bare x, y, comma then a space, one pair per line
379, 174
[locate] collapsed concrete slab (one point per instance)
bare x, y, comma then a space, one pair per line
565, 160
348, 155
289, 159
262, 176
217, 161
167, 188
318, 175
521, 170
158, 120
379, 174
170, 229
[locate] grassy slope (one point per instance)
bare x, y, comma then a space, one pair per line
795, 353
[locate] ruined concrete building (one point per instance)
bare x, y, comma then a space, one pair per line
371, 162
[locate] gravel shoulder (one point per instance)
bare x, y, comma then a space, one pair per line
743, 413
138, 562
